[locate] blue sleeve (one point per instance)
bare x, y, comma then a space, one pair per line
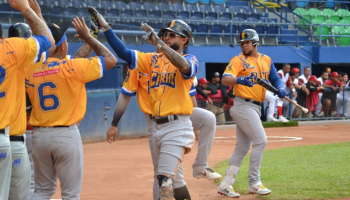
192, 60
274, 78
44, 45
118, 46
104, 69
193, 91
127, 93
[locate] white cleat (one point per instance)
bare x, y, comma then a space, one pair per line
258, 189
282, 119
272, 119
230, 192
209, 174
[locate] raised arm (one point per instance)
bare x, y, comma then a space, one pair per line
97, 46
122, 105
36, 8
37, 25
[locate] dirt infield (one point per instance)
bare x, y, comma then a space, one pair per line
123, 170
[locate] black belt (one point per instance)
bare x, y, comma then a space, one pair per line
163, 120
51, 126
2, 131
253, 101
17, 138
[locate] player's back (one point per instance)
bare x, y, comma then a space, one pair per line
57, 90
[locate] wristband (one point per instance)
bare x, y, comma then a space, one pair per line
293, 90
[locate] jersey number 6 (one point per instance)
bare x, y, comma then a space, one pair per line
50, 99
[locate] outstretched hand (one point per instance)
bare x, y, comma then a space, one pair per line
81, 28
21, 5
150, 36
35, 7
98, 19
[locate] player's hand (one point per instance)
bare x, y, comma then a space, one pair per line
333, 88
21, 5
281, 93
98, 19
35, 7
246, 80
210, 101
151, 36
81, 28
112, 134
307, 91
294, 94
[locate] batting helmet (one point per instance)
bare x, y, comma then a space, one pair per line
249, 34
20, 30
180, 27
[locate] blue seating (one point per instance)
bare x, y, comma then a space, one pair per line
227, 29
45, 5
272, 30
63, 3
92, 3
177, 7
226, 15
78, 4
110, 17
219, 9
254, 15
196, 20
219, 1
168, 17
217, 28
302, 3
224, 20
82, 14
155, 13
209, 19
163, 7
67, 13
113, 11
184, 18
134, 6
191, 8
191, 1
140, 13
205, 1
149, 6
156, 26
56, 10
243, 27
183, 15
128, 12
197, 14
191, 26
6, 7
106, 4
211, 14
126, 17
205, 8
121, 6
169, 13
202, 30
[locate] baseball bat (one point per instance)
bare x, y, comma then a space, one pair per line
268, 86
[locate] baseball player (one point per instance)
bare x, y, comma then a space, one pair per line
17, 53
246, 111
20, 176
170, 74
288, 86
56, 109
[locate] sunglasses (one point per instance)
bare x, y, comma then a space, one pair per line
171, 35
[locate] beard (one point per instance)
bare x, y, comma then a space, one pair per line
175, 46
247, 54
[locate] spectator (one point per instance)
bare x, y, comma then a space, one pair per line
328, 70
284, 75
203, 89
329, 98
217, 107
304, 77
323, 78
344, 79
308, 97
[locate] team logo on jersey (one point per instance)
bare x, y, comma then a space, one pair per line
167, 79
16, 163
245, 64
45, 73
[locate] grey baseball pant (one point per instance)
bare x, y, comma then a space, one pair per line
20, 175
5, 164
248, 130
29, 135
57, 152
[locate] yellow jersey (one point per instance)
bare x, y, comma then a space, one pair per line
57, 90
138, 83
242, 65
168, 87
16, 54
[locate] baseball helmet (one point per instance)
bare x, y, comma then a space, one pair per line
180, 27
249, 34
20, 30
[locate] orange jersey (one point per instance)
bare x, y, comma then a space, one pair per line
245, 66
16, 54
168, 87
57, 90
138, 82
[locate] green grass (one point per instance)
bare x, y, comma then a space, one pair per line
279, 124
306, 172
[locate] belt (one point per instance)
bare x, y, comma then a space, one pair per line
17, 138
51, 126
2, 131
151, 117
163, 120
253, 101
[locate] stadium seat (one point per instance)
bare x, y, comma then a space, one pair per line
324, 31
344, 41
155, 13
302, 12
106, 4
126, 17
330, 4
320, 17
111, 17
219, 9
201, 34
121, 6
205, 1
128, 12
272, 30
134, 6
164, 7
224, 20
219, 1
205, 9
182, 18
149, 7
211, 14
92, 3
197, 14
337, 29
346, 18
314, 12
56, 10
63, 3
177, 7
169, 13
141, 13
234, 10
209, 20
217, 28
328, 12
191, 1
330, 22
343, 12
157, 26
196, 19
191, 8
183, 15
191, 26
336, 18
302, 3
226, 15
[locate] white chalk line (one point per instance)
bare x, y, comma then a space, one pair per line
286, 139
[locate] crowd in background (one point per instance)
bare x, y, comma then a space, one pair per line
304, 88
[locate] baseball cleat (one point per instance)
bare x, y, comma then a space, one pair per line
230, 192
258, 189
272, 119
209, 174
282, 119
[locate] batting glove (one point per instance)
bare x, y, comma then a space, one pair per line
245, 80
281, 93
229, 104
97, 19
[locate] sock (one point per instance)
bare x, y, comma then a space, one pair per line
279, 109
